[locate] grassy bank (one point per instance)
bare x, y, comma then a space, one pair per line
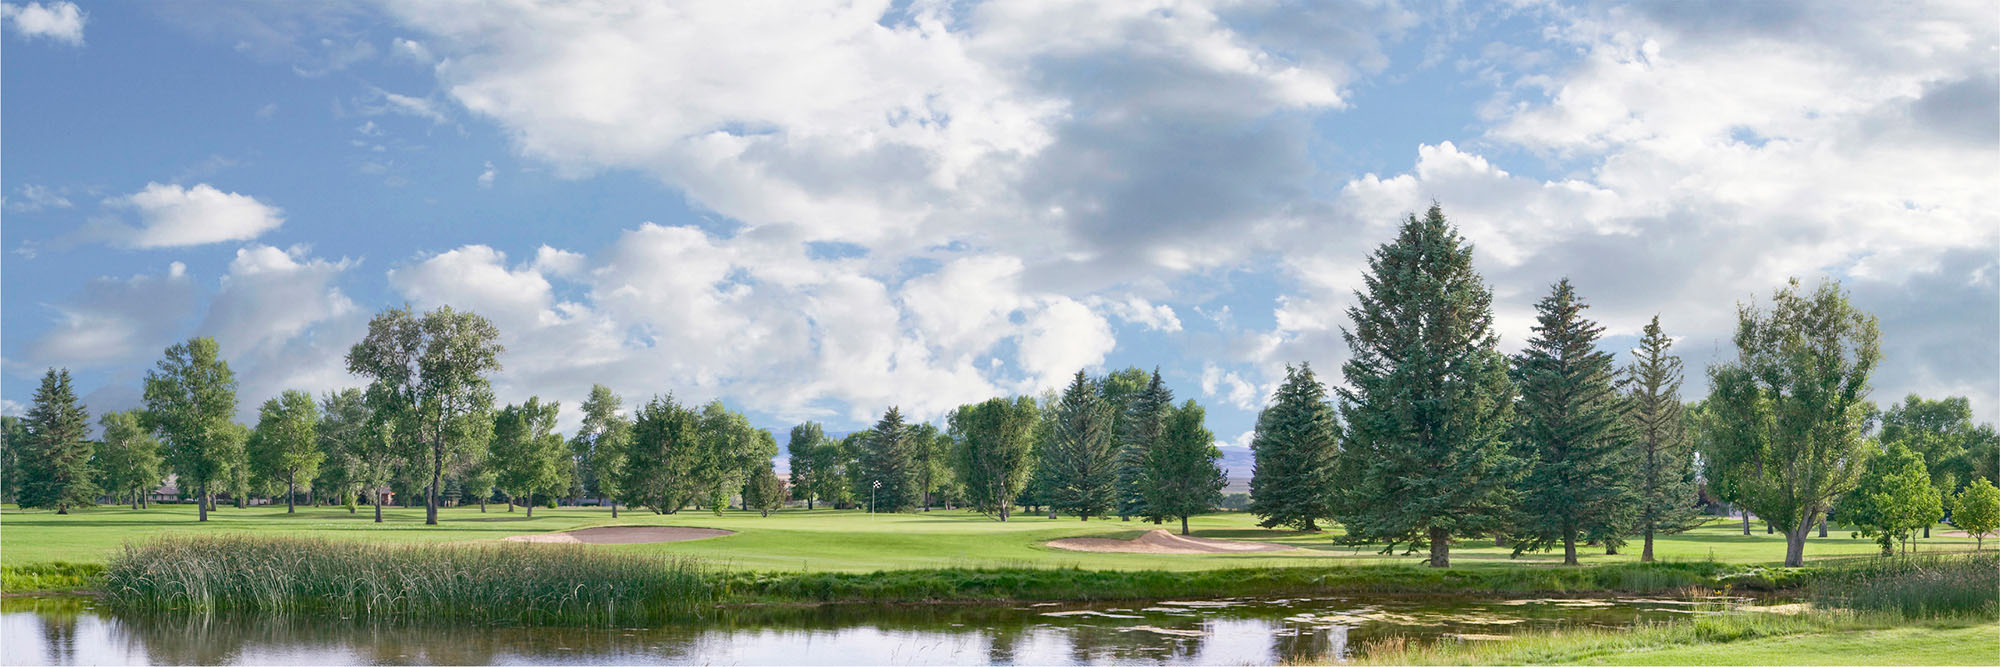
57, 577
1887, 611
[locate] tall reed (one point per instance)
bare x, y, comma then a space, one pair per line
486, 583
1917, 586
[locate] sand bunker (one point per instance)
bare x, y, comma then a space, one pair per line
624, 535
1163, 542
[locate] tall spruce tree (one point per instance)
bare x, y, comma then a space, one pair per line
1294, 450
1145, 419
887, 458
1576, 443
190, 402
55, 470
1121, 390
1427, 402
1082, 455
1183, 474
1665, 482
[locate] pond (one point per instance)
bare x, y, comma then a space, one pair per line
1230, 631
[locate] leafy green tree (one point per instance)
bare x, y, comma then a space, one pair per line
528, 456
190, 400
13, 440
731, 450
1082, 455
930, 451
1575, 439
128, 459
1664, 462
427, 375
1294, 449
887, 457
840, 468
341, 468
994, 446
238, 480
1427, 403
1942, 431
764, 491
1040, 489
1982, 452
661, 457
803, 451
1790, 410
1142, 422
1976, 510
1894, 498
1183, 473
55, 470
599, 446
285, 445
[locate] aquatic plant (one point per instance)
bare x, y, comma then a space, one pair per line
1916, 586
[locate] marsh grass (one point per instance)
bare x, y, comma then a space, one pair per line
1577, 645
479, 583
1916, 586
56, 577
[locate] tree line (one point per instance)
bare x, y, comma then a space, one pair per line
1434, 435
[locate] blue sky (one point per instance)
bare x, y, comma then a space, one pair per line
814, 210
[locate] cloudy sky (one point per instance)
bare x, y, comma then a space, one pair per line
815, 210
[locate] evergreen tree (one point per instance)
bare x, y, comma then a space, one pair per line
994, 446
1121, 390
285, 447
128, 459
1145, 416
1664, 463
803, 450
1575, 443
661, 457
1789, 412
887, 458
1294, 447
13, 440
528, 457
1976, 510
1183, 473
1083, 469
55, 470
190, 402
1427, 402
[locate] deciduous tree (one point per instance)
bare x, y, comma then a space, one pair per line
599, 446
1894, 498
1976, 510
285, 446
427, 375
528, 457
1183, 477
129, 460
190, 400
764, 491
661, 457
803, 451
994, 445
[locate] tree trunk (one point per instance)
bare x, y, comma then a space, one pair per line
1569, 549
437, 478
1646, 554
510, 502
62, 508
614, 508
1610, 547
1440, 547
378, 506
1927, 532
1746, 522
809, 506
1770, 529
531, 504
1822, 524
1184, 529
291, 489
200, 502
1795, 544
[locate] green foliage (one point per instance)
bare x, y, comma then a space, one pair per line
663, 457
285, 447
528, 457
504, 583
1915, 587
802, 449
598, 449
129, 463
1294, 448
1574, 436
1081, 455
1894, 499
13, 440
930, 455
1183, 472
1789, 411
764, 491
1976, 510
55, 466
351, 455
994, 448
887, 458
732, 449
51, 577
190, 400
1139, 430
427, 381
1427, 402
1663, 460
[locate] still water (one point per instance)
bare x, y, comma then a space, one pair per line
1233, 631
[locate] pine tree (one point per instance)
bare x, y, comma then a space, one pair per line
1294, 448
1663, 460
55, 466
1083, 470
1183, 474
887, 458
1428, 401
1575, 439
1145, 418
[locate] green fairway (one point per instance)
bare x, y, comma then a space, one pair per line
846, 541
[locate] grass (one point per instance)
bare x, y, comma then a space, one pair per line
56, 577
840, 541
497, 583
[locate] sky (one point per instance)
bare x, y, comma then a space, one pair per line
816, 210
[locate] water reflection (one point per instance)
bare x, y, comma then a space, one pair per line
72, 630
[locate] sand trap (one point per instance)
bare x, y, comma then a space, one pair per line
624, 535
1163, 542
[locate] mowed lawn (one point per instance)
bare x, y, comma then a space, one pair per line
830, 540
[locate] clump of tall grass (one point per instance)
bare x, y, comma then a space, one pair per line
1581, 645
484, 583
1916, 586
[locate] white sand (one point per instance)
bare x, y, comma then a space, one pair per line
624, 535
